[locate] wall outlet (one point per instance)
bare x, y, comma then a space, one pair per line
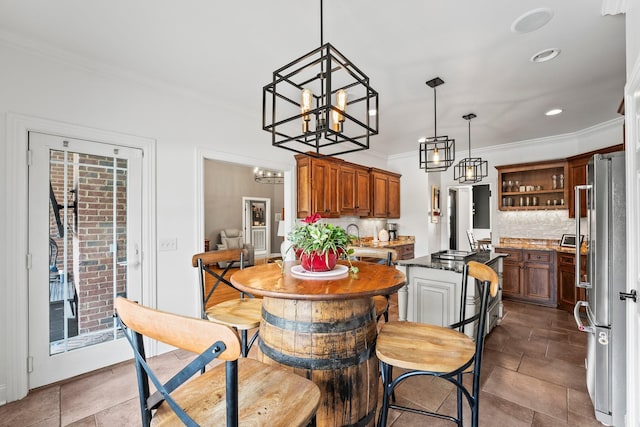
169, 244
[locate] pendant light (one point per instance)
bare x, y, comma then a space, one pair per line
470, 169
437, 153
320, 104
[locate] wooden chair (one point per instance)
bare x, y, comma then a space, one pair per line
243, 313
389, 256
240, 391
442, 352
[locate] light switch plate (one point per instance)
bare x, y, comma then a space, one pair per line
169, 244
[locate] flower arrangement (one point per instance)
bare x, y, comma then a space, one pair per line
318, 239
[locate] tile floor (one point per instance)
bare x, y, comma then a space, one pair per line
533, 375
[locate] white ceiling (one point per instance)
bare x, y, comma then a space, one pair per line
227, 51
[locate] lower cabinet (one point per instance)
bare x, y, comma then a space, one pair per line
434, 297
568, 293
529, 275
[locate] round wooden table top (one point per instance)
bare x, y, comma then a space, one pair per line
268, 280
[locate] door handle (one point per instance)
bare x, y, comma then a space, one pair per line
576, 316
629, 295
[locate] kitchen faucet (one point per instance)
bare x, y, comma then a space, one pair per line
357, 233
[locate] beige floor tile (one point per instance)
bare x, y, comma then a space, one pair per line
539, 395
543, 420
571, 353
554, 371
124, 414
90, 395
40, 407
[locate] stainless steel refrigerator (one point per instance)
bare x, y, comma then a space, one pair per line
602, 315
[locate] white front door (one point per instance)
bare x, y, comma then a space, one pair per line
84, 246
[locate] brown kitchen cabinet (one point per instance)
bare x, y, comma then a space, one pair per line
318, 190
536, 181
385, 194
529, 275
568, 293
405, 251
355, 190
577, 173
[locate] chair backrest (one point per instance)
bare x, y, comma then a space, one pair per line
206, 262
232, 238
472, 241
53, 255
210, 340
388, 255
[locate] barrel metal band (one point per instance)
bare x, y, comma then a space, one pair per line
362, 422
316, 364
317, 327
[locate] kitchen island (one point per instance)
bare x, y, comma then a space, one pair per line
403, 245
432, 294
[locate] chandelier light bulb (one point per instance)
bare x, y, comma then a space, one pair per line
341, 104
305, 107
436, 156
470, 172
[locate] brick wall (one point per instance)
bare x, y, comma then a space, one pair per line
91, 236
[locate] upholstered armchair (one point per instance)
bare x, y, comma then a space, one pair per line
231, 238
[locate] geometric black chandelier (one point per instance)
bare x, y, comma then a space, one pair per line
470, 169
437, 153
320, 103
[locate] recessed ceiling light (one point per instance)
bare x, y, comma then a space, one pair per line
545, 55
532, 20
553, 112
373, 112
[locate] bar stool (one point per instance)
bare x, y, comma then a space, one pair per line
429, 350
243, 313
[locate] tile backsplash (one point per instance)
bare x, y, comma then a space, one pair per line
534, 224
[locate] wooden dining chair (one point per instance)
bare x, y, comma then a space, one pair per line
242, 312
443, 352
386, 255
239, 391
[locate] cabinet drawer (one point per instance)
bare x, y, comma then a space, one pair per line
566, 259
515, 255
405, 251
538, 256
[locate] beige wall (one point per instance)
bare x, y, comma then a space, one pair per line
225, 184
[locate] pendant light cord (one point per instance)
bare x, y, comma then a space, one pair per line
321, 23
469, 138
435, 117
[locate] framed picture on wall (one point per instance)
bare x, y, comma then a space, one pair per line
435, 203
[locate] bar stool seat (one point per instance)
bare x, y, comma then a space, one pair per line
424, 347
237, 313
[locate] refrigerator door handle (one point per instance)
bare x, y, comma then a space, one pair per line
576, 315
578, 189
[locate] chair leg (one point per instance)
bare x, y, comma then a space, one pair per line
385, 371
245, 349
459, 400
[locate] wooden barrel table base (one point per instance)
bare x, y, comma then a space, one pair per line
333, 344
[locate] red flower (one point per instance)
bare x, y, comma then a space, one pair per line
312, 218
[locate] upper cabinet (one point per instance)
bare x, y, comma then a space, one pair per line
385, 194
578, 176
355, 189
318, 190
531, 186
334, 188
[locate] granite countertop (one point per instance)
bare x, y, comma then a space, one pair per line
535, 244
426, 261
400, 241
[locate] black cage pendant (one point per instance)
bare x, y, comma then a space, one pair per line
437, 153
470, 169
320, 104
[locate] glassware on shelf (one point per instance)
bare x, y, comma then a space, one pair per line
561, 181
554, 182
510, 186
516, 186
